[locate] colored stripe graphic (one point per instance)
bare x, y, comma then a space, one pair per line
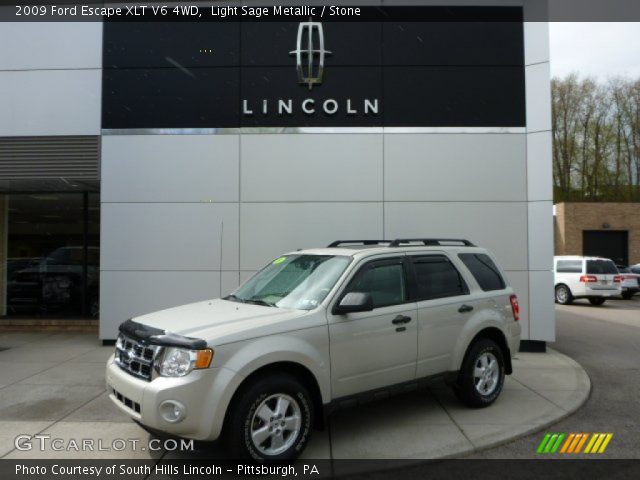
543, 443
582, 441
556, 446
568, 442
573, 443
551, 443
598, 443
607, 439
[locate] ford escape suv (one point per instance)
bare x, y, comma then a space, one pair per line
313, 330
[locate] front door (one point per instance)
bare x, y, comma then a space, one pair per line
375, 349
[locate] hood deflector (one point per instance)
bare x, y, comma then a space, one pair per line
156, 336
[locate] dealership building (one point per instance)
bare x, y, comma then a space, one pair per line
149, 164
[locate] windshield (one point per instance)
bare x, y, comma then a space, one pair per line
293, 281
601, 266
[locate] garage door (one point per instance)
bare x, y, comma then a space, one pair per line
608, 244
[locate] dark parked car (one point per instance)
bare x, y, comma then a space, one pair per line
630, 281
54, 283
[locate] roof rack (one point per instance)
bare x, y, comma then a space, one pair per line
430, 241
399, 242
338, 243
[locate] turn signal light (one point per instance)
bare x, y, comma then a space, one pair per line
588, 279
203, 358
515, 307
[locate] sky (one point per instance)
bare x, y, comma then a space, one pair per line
594, 49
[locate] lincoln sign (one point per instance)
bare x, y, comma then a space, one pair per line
312, 74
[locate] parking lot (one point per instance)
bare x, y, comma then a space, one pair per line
606, 342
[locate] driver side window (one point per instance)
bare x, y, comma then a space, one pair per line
385, 283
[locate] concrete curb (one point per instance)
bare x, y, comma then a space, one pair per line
552, 421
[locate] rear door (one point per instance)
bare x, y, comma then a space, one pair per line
444, 306
605, 273
375, 349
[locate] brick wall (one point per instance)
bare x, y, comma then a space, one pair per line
572, 218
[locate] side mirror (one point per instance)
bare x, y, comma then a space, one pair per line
354, 302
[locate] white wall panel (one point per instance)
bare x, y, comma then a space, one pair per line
456, 167
50, 102
168, 236
539, 166
536, 42
500, 227
269, 229
170, 168
128, 294
50, 45
307, 167
543, 324
540, 235
538, 95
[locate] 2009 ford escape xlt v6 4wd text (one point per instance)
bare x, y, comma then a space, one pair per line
314, 329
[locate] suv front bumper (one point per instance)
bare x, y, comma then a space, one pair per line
205, 394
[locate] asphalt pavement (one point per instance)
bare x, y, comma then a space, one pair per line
606, 342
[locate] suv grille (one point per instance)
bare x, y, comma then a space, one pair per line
135, 358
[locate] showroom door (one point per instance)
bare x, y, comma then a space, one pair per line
607, 244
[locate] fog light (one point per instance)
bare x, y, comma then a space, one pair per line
172, 411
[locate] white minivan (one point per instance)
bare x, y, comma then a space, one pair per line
594, 278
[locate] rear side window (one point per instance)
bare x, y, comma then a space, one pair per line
569, 266
483, 270
438, 278
606, 267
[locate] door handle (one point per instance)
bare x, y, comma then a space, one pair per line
465, 308
401, 319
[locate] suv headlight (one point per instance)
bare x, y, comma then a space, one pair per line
178, 362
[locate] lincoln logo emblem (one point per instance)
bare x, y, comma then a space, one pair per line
310, 66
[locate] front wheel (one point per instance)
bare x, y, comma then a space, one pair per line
596, 301
272, 420
563, 295
482, 375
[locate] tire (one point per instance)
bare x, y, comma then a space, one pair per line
563, 295
627, 295
472, 388
597, 301
256, 414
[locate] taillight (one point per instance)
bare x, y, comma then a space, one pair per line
617, 279
588, 279
515, 307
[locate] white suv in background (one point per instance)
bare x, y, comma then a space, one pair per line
593, 278
316, 329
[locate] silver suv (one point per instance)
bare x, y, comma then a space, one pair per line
313, 330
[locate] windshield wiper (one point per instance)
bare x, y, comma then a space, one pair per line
260, 302
233, 298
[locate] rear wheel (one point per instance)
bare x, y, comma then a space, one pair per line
627, 295
596, 301
272, 420
563, 295
482, 375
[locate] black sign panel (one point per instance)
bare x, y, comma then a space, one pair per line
260, 74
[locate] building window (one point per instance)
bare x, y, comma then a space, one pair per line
52, 255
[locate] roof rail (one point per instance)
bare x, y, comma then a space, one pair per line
430, 241
337, 243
